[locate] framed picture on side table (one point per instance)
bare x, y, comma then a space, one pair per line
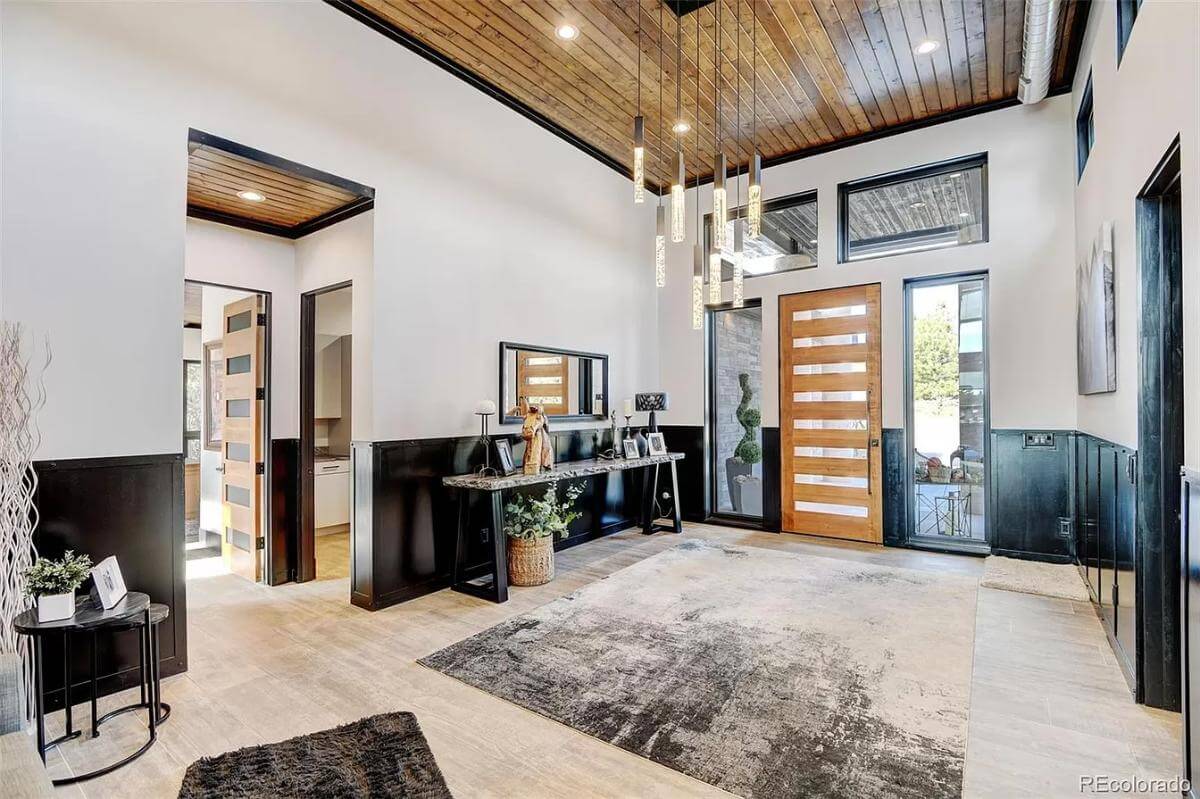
504, 455
631, 448
109, 584
658, 444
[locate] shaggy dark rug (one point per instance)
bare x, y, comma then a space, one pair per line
379, 756
765, 673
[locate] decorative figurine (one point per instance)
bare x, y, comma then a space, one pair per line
536, 432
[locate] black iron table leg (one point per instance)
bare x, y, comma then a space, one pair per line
67, 682
460, 536
499, 549
649, 485
39, 708
147, 653
678, 515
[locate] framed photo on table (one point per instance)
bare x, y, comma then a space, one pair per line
108, 582
630, 447
504, 455
658, 444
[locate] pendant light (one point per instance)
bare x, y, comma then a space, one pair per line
678, 209
754, 206
660, 213
738, 269
639, 126
698, 250
720, 203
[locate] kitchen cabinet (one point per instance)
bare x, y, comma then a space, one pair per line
331, 493
328, 378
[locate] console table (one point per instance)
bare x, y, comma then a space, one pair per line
495, 588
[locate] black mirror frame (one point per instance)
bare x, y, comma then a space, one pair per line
505, 346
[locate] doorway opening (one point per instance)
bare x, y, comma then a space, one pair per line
225, 419
735, 412
946, 373
326, 415
1160, 430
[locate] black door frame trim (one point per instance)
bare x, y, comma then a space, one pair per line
306, 551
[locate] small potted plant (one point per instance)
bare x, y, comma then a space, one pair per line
745, 489
54, 582
530, 523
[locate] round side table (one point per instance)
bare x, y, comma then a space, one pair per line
133, 612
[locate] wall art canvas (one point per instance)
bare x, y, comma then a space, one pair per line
1096, 321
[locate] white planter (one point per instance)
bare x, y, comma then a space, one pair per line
55, 607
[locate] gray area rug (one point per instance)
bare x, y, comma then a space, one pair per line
765, 673
1061, 580
379, 756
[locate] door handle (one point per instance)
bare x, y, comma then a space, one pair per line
221, 468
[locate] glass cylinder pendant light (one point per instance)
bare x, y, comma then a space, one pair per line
739, 288
720, 212
639, 159
678, 210
714, 277
660, 247
698, 288
754, 205
754, 197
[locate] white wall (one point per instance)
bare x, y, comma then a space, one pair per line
231, 256
1138, 110
338, 253
1028, 258
485, 226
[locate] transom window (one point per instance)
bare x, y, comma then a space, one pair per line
926, 208
788, 240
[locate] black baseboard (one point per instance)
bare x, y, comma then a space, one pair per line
130, 507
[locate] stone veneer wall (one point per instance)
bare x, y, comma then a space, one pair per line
739, 349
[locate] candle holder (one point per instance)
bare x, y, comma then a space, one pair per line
485, 409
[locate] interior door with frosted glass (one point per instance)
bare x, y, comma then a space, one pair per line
830, 416
241, 455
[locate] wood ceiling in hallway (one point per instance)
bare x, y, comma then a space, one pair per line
830, 72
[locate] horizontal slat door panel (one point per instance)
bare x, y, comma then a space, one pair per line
841, 381
860, 506
832, 326
830, 298
835, 495
830, 467
843, 439
829, 410
829, 524
239, 386
240, 518
834, 353
241, 342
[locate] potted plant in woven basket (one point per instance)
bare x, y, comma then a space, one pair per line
530, 523
54, 582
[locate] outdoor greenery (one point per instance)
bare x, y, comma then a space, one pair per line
530, 517
49, 577
935, 359
748, 449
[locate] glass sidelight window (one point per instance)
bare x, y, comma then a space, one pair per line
735, 403
947, 406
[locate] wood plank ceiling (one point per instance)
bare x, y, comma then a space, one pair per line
828, 71
296, 199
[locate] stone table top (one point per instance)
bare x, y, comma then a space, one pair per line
560, 471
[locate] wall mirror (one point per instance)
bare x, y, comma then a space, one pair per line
565, 384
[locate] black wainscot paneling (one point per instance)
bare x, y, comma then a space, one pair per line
772, 463
405, 520
689, 439
1030, 488
285, 509
894, 487
130, 507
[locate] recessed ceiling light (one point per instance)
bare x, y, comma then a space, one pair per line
917, 205
251, 196
681, 127
964, 215
812, 241
566, 31
926, 47
956, 175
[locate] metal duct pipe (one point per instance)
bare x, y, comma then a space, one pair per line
1037, 49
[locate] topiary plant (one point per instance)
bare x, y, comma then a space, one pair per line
748, 450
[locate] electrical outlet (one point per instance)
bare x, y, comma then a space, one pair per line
484, 534
1064, 527
1039, 440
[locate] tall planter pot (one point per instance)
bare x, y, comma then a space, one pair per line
530, 561
734, 468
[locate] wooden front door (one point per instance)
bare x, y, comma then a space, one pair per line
829, 413
241, 449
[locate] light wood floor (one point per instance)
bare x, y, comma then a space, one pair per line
1048, 703
333, 556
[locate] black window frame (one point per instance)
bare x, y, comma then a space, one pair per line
1085, 129
192, 435
975, 160
775, 204
1127, 13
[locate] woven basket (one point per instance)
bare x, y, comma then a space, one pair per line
530, 560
